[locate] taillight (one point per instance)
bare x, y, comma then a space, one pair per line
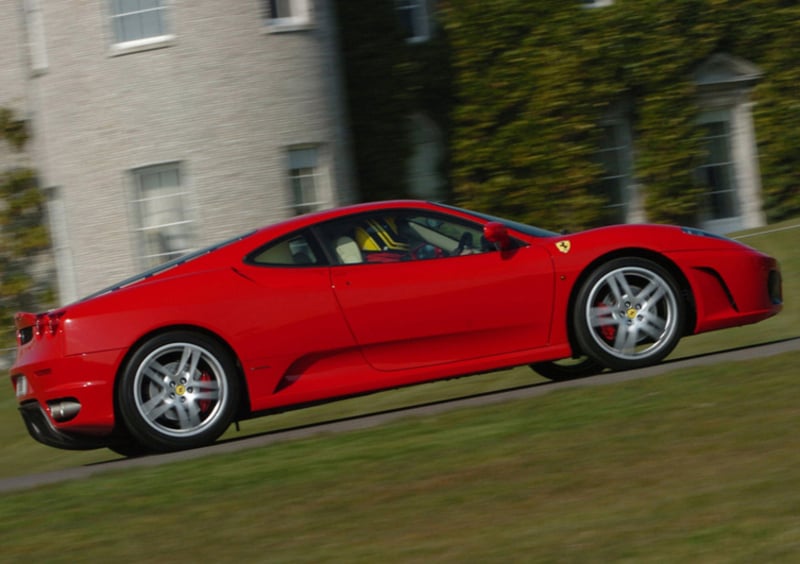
48, 323
54, 321
39, 325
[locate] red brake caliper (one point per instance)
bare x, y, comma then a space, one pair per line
609, 332
204, 404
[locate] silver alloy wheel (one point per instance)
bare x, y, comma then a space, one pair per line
632, 313
180, 389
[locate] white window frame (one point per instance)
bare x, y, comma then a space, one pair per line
306, 164
597, 3
37, 43
144, 43
62, 252
417, 15
299, 16
146, 232
725, 86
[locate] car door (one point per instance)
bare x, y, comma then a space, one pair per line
444, 304
292, 331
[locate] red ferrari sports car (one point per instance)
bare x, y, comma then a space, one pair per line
365, 298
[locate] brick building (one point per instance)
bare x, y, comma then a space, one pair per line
161, 126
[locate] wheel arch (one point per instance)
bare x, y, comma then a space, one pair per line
244, 401
685, 289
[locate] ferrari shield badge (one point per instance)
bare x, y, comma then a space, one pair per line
564, 246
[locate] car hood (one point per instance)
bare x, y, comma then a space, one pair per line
663, 238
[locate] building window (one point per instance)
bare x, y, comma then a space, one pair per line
425, 164
614, 156
288, 14
160, 209
717, 174
414, 19
138, 21
732, 199
305, 179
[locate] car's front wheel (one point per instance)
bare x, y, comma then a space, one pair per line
178, 390
629, 313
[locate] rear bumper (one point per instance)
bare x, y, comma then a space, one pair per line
42, 429
67, 402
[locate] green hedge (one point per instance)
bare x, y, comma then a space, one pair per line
534, 80
519, 88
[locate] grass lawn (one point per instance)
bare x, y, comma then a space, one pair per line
697, 465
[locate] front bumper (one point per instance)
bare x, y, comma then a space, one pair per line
732, 288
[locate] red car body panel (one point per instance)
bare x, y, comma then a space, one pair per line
312, 333
404, 321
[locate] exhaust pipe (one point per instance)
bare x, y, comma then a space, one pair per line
64, 409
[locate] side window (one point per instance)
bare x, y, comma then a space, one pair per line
294, 250
403, 236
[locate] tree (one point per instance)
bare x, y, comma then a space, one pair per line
533, 81
23, 236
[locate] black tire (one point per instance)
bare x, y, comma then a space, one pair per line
629, 313
178, 390
568, 368
129, 449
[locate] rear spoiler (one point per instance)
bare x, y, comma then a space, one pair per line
23, 320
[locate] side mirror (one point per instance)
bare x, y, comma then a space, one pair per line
496, 233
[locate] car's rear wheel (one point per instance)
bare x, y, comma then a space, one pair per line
629, 313
178, 390
568, 368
